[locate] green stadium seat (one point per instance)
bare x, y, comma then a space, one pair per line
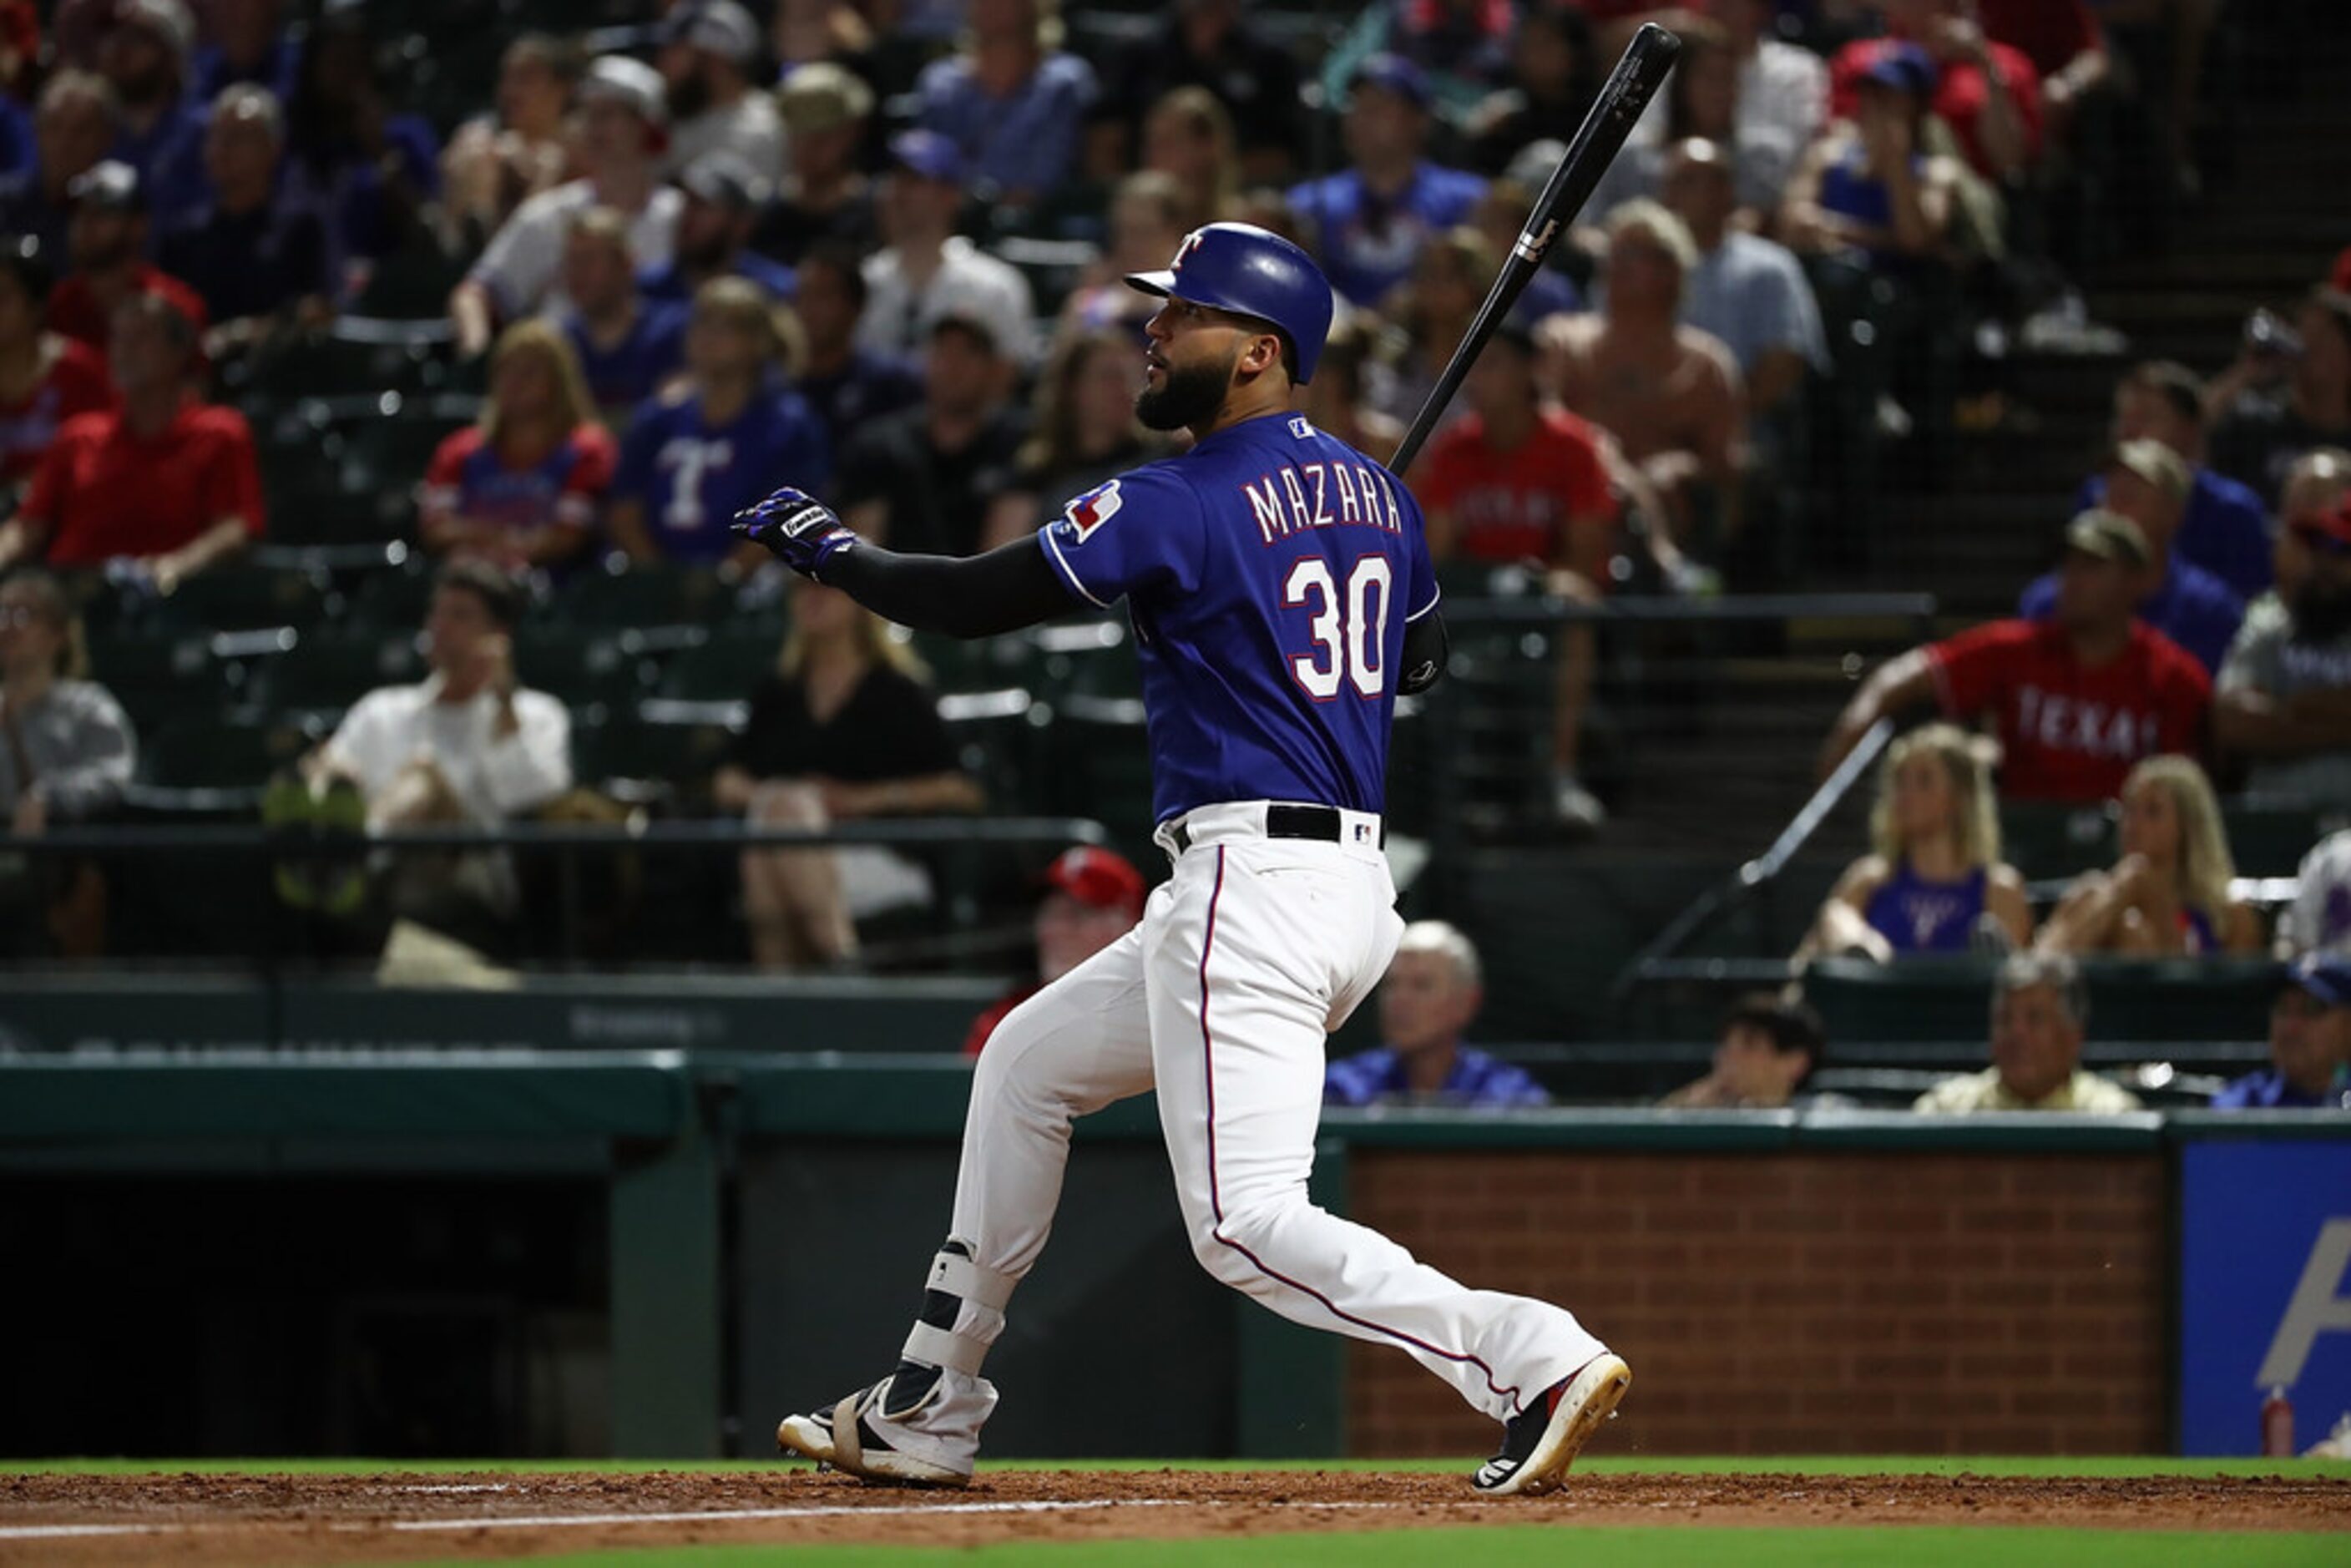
243, 598
1101, 766
727, 667
393, 600
645, 596
580, 666
327, 671
384, 458
354, 356
2270, 841
158, 678
2131, 999
977, 664
998, 741
227, 759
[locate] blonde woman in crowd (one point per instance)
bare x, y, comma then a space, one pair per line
846, 727
1933, 878
2168, 896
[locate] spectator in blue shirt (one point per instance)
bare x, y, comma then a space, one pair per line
1369, 222
1432, 992
723, 198
1012, 103
628, 344
846, 384
2148, 481
145, 56
2310, 1042
365, 170
700, 452
2226, 530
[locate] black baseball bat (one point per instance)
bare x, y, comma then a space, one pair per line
1598, 139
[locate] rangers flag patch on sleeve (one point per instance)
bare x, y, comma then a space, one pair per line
1090, 511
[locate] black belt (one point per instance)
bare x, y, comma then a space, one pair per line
1323, 824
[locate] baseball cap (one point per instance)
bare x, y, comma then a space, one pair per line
2326, 976
720, 27
1395, 74
2109, 536
1096, 877
631, 83
112, 184
929, 154
964, 318
2157, 464
724, 180
1905, 68
820, 96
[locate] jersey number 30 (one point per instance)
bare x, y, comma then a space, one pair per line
1350, 629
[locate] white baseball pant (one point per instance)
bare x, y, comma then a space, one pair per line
1221, 998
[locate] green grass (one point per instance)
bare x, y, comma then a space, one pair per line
1516, 1546
1816, 1465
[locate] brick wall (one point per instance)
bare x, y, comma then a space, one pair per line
1801, 1303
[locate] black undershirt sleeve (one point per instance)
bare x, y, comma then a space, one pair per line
1426, 646
1009, 587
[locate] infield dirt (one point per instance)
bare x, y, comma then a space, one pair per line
281, 1518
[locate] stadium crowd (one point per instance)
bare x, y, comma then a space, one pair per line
454, 334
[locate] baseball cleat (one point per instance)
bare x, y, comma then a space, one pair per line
850, 1438
1540, 1442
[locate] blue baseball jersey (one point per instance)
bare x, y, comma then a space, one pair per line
692, 476
1269, 573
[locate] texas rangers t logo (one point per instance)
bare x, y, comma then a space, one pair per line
1092, 510
1191, 243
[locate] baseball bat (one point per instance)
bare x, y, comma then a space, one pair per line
1598, 139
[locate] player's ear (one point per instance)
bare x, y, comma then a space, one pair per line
1263, 352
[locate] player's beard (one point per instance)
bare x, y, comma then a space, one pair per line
1190, 395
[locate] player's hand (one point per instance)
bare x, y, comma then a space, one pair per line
796, 528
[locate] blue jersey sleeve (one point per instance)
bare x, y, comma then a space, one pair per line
1140, 534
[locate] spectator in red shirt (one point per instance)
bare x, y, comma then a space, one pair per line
2061, 40
108, 249
1093, 897
44, 380
167, 481
1988, 94
1514, 481
522, 488
2078, 700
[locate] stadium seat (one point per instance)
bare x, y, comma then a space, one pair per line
998, 741
2131, 999
643, 596
384, 458
241, 597
355, 355
580, 665
328, 670
978, 665
728, 666
395, 600
1101, 766
159, 677
219, 763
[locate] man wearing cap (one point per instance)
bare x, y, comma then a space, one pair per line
1093, 897
708, 50
2226, 529
1369, 221
2077, 700
145, 56
2285, 702
1988, 93
722, 198
1431, 993
75, 125
923, 479
108, 259
929, 271
624, 121
1012, 103
825, 195
165, 480
2148, 483
2310, 1043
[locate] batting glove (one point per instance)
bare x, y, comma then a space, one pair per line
796, 528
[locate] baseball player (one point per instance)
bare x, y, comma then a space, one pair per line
1282, 596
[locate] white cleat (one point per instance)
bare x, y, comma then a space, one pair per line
1540, 1442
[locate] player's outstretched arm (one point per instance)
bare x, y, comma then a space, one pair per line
977, 596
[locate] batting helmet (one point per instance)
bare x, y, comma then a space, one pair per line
1254, 272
